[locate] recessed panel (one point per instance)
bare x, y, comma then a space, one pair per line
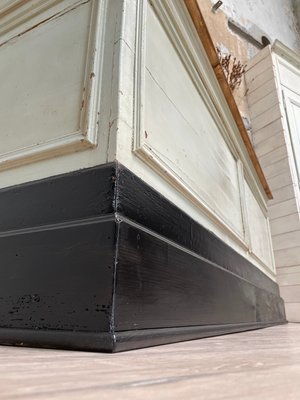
258, 229
41, 80
181, 132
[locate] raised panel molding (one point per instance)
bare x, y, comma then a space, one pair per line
153, 156
18, 16
175, 22
61, 111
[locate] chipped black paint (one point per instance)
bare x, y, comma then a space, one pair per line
86, 262
57, 281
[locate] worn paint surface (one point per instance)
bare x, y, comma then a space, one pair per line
276, 136
199, 151
87, 276
273, 19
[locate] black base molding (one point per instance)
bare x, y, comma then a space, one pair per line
120, 341
97, 260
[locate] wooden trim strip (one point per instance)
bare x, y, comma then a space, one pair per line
204, 36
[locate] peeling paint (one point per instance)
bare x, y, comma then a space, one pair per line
44, 21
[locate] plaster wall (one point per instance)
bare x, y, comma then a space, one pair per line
272, 19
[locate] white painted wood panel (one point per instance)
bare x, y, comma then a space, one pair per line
263, 65
180, 132
50, 81
277, 168
259, 57
280, 181
260, 79
99, 144
289, 279
267, 132
287, 257
292, 104
273, 156
266, 118
282, 194
262, 90
18, 16
286, 240
290, 294
174, 117
289, 76
258, 229
43, 94
281, 165
285, 224
292, 312
264, 104
270, 144
122, 32
285, 208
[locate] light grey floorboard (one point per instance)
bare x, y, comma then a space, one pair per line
262, 364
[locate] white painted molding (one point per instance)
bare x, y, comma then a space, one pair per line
17, 16
285, 52
285, 58
20, 15
176, 22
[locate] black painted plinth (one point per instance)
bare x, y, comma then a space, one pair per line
97, 260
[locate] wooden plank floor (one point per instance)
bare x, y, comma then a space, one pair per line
262, 364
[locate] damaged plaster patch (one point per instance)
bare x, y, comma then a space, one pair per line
270, 18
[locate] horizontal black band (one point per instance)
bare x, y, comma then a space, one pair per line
121, 341
96, 258
152, 337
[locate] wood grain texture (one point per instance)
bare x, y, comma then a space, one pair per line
267, 132
172, 288
259, 365
293, 311
282, 195
276, 139
262, 91
287, 279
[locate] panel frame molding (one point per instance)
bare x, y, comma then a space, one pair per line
284, 57
270, 268
86, 137
176, 22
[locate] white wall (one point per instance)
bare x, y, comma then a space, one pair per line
56, 110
